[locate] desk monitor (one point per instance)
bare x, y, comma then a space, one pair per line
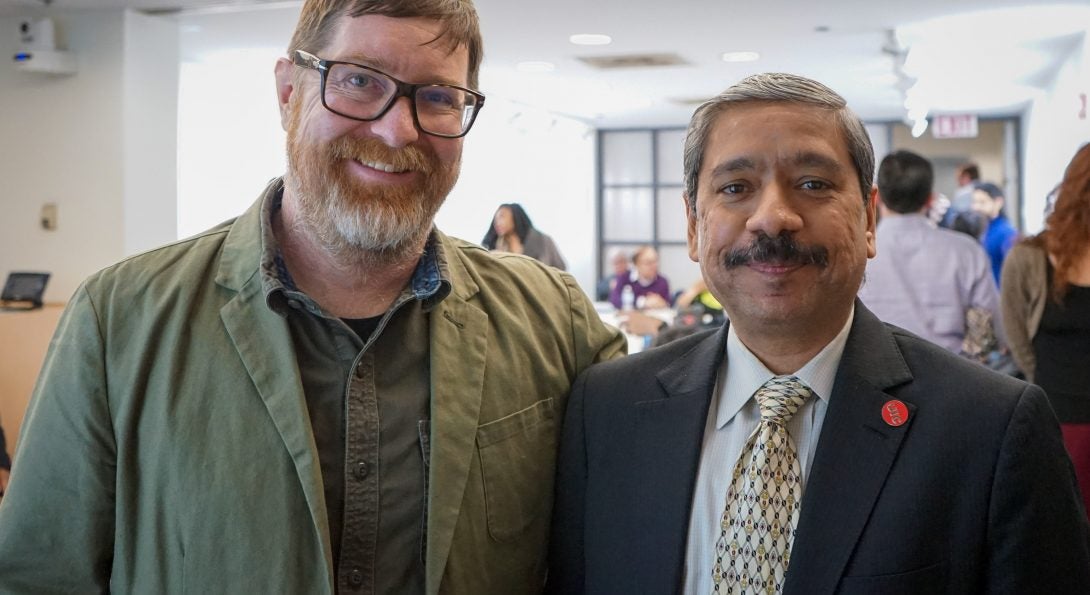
24, 288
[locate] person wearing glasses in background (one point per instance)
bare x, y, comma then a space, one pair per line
326, 394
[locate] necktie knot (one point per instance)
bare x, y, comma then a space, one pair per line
781, 397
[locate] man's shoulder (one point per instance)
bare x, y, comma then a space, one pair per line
177, 263
950, 380
502, 268
639, 368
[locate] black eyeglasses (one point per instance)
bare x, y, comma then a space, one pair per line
363, 93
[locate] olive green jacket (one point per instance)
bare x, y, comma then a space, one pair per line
167, 447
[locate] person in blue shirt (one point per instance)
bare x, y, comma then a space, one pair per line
1000, 235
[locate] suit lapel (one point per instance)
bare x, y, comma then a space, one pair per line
854, 454
671, 433
459, 342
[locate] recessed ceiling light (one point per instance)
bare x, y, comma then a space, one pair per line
740, 56
590, 39
535, 66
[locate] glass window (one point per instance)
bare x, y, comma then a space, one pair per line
626, 157
627, 215
669, 156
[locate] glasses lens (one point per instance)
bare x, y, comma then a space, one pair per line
356, 91
444, 110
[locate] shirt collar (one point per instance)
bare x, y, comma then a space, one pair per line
744, 372
430, 281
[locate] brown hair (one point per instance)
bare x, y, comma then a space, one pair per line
461, 27
1067, 232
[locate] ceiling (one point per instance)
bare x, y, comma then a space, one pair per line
983, 56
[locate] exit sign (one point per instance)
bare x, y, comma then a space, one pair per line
954, 126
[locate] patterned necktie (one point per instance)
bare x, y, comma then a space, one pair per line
762, 511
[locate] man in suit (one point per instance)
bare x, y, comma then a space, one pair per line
806, 447
326, 394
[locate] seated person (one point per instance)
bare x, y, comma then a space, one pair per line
5, 463
512, 231
650, 289
618, 260
698, 296
697, 310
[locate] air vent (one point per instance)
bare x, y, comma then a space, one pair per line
633, 61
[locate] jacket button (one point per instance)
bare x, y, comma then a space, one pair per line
361, 470
355, 578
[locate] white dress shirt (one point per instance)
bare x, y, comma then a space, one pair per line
732, 417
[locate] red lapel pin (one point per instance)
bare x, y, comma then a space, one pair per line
895, 413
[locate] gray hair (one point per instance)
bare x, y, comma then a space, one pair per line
783, 88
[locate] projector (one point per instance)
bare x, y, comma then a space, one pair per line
45, 62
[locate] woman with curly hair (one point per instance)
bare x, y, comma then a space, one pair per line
512, 231
1045, 301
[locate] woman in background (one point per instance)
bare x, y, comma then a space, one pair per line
512, 231
1045, 302
650, 290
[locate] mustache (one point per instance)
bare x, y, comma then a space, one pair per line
782, 249
409, 158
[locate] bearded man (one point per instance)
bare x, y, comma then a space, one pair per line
326, 394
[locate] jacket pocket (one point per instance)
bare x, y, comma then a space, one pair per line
518, 461
929, 579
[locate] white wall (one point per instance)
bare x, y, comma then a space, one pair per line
62, 144
542, 161
99, 144
149, 107
1053, 131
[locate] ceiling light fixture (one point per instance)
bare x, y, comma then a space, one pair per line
535, 66
740, 56
590, 39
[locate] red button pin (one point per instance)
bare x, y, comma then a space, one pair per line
895, 413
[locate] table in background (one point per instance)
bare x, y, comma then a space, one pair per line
24, 339
636, 343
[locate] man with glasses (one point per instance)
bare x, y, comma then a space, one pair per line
326, 394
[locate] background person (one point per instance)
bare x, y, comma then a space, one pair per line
924, 279
618, 262
999, 236
649, 288
326, 394
968, 174
5, 463
512, 231
868, 460
1046, 307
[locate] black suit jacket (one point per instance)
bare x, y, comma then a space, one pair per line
974, 494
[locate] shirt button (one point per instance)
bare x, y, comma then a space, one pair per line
355, 578
295, 304
361, 470
359, 371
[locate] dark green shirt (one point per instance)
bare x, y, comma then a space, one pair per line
368, 401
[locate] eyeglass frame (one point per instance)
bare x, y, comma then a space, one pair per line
402, 89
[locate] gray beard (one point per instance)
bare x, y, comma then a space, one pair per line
354, 232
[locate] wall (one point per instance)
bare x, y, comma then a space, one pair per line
62, 145
543, 162
99, 144
1053, 130
149, 129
